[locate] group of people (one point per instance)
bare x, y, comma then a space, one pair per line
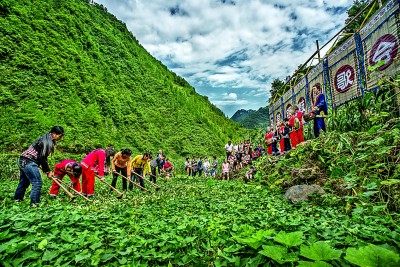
288, 133
96, 164
202, 168
238, 156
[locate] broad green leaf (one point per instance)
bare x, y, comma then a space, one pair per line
374, 129
289, 239
42, 244
390, 182
96, 245
379, 208
278, 254
313, 264
122, 261
369, 193
48, 255
255, 240
337, 172
320, 251
376, 141
82, 256
372, 255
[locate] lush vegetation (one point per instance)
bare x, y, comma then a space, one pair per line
241, 114
252, 118
195, 222
73, 64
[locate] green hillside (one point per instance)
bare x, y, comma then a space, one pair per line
252, 118
73, 64
241, 114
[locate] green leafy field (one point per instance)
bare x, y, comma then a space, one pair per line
191, 222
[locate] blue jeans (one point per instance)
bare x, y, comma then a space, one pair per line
28, 174
138, 178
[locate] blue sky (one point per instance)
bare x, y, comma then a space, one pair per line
231, 50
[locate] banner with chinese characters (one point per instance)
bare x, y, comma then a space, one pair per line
380, 41
316, 75
300, 91
287, 102
344, 73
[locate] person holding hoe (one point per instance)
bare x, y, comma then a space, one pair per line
121, 163
96, 160
66, 167
30, 160
139, 165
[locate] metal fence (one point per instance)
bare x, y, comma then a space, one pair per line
344, 73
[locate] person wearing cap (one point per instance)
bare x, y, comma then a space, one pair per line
30, 160
66, 167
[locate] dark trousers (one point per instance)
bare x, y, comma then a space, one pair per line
153, 174
319, 124
286, 143
28, 174
138, 178
115, 177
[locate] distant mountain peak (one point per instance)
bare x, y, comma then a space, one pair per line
251, 118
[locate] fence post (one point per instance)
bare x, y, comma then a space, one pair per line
362, 77
327, 83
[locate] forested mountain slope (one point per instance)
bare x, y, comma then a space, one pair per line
251, 118
73, 64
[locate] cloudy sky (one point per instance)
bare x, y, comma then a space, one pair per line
231, 50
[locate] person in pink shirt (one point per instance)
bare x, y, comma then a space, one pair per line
96, 160
225, 170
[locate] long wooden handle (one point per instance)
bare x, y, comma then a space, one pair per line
63, 188
76, 191
153, 184
159, 177
112, 187
129, 180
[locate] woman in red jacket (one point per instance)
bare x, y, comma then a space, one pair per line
299, 132
66, 167
293, 126
96, 160
268, 139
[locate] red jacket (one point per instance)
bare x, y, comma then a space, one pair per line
60, 168
299, 115
95, 161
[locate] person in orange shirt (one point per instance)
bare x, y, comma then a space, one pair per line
121, 163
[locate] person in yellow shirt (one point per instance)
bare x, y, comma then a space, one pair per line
121, 163
140, 164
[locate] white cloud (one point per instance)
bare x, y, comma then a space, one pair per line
242, 47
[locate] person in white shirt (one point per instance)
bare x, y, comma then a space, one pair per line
228, 149
206, 167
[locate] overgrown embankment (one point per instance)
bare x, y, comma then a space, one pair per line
361, 170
